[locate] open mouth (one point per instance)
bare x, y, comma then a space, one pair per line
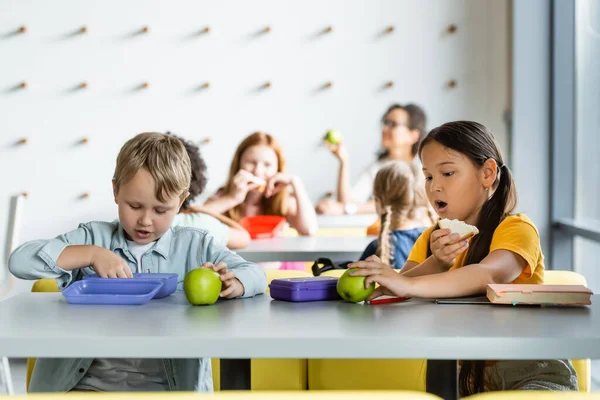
440, 206
142, 233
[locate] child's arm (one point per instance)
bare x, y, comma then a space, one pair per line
304, 220
430, 266
60, 258
221, 203
238, 236
343, 187
500, 266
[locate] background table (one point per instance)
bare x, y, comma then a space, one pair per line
306, 248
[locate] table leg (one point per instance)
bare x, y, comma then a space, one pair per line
235, 374
442, 378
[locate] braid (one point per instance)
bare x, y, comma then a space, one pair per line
384, 248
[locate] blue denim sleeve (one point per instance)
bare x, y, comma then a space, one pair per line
37, 259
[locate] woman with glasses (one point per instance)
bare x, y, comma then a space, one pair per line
403, 127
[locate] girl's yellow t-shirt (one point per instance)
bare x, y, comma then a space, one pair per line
516, 233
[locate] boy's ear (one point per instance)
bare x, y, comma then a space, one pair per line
182, 198
115, 191
489, 173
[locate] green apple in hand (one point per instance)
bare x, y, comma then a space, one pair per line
333, 137
352, 288
202, 286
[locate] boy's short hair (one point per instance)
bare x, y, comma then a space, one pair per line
163, 156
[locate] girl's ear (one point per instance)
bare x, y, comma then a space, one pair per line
489, 173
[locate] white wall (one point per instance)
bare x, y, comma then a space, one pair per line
419, 56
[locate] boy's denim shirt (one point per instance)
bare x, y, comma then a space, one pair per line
179, 250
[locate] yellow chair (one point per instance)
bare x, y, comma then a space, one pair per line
332, 374
42, 285
346, 395
267, 374
583, 367
556, 277
367, 374
531, 395
273, 374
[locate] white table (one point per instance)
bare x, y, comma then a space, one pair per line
346, 221
306, 248
45, 325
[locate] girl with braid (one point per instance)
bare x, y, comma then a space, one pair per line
402, 205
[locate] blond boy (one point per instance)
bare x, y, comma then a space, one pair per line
151, 181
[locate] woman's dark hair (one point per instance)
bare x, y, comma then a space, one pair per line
476, 142
198, 181
416, 120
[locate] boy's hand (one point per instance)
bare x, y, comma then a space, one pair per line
446, 246
232, 287
109, 265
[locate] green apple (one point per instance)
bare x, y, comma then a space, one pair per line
352, 288
332, 136
202, 286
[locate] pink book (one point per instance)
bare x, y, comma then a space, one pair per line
539, 294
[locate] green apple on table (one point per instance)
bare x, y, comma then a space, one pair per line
352, 288
202, 286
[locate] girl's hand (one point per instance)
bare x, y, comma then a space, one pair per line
391, 283
338, 150
244, 182
446, 246
277, 183
232, 287
109, 265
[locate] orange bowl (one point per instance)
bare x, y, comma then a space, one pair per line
263, 226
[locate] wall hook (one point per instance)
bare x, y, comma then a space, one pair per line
83, 29
23, 85
389, 84
266, 85
206, 29
84, 195
23, 141
452, 28
329, 29
145, 29
389, 29
267, 29
452, 83
22, 29
84, 140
